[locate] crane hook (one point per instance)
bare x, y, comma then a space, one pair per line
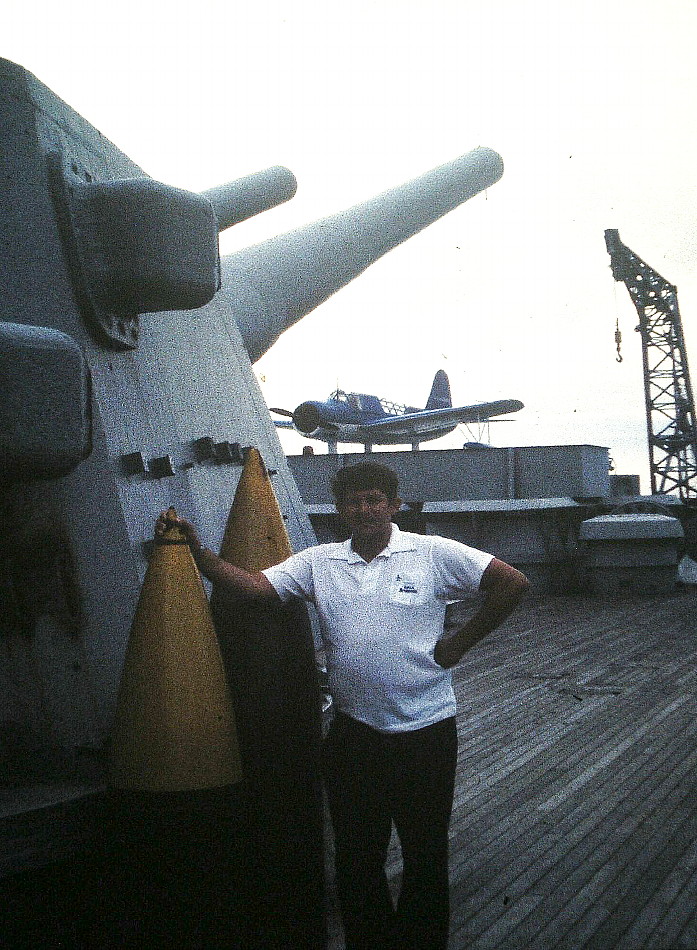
618, 341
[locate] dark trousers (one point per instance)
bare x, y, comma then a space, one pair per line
374, 779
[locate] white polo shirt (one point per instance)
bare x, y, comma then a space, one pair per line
381, 621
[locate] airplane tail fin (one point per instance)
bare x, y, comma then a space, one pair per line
440, 397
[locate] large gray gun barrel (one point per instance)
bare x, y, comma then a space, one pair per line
238, 200
272, 285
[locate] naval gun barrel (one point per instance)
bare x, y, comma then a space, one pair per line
238, 200
270, 286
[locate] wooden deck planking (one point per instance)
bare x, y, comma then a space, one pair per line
619, 806
595, 880
575, 817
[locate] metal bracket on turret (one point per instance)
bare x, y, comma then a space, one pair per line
135, 463
180, 458
208, 450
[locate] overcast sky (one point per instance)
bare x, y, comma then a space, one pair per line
591, 104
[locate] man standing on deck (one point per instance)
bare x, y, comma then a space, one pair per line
390, 754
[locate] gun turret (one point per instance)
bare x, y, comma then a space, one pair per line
272, 285
124, 394
129, 391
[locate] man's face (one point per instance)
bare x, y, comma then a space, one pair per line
368, 513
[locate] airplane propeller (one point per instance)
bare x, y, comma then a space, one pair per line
329, 426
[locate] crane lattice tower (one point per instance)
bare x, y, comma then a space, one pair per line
670, 405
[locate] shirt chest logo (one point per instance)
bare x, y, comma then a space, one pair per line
409, 588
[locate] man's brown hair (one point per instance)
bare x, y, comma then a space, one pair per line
364, 476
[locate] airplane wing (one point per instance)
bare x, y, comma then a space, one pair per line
431, 420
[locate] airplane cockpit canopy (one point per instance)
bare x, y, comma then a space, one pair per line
372, 404
350, 399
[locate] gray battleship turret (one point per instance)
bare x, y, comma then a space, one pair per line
126, 355
110, 297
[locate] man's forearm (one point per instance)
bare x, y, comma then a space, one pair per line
501, 598
232, 579
496, 608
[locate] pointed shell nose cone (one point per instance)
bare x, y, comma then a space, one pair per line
174, 728
255, 534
